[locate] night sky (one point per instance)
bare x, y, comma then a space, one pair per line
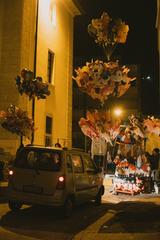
141, 45
140, 15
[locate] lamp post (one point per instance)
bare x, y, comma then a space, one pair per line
117, 112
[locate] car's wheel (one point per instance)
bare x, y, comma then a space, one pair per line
14, 206
98, 198
68, 207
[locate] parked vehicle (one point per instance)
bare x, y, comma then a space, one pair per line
55, 177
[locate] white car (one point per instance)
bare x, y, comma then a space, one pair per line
55, 177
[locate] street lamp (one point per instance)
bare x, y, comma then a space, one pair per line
117, 112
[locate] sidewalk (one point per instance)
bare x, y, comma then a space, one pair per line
3, 192
110, 197
113, 224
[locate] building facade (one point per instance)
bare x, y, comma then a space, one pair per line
158, 32
54, 28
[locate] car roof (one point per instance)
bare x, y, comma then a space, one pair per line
55, 148
42, 147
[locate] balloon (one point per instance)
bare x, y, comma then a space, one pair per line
102, 80
32, 87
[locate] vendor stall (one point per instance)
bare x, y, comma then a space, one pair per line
131, 178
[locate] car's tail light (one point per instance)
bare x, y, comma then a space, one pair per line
10, 172
60, 183
61, 179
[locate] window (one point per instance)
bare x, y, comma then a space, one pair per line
48, 125
69, 164
44, 162
26, 159
48, 141
49, 161
88, 164
31, 159
77, 163
50, 65
39, 159
48, 136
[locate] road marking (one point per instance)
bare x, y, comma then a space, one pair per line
119, 236
92, 230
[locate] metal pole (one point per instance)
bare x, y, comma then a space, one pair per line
35, 64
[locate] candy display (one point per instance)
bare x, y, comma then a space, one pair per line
133, 166
131, 178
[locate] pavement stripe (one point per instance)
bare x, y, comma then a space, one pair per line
92, 230
119, 236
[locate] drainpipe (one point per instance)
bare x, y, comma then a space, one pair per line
35, 65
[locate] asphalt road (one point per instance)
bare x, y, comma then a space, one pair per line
116, 221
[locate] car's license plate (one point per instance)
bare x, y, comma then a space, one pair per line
32, 189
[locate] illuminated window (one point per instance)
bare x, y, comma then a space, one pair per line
48, 135
50, 66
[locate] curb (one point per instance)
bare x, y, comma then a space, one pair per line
3, 192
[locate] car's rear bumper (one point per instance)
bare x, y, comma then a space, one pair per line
30, 198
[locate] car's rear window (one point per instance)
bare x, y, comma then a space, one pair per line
40, 159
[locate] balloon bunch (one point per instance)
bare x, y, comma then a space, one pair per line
146, 125
152, 125
16, 121
108, 32
136, 126
99, 124
32, 87
102, 80
99, 79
